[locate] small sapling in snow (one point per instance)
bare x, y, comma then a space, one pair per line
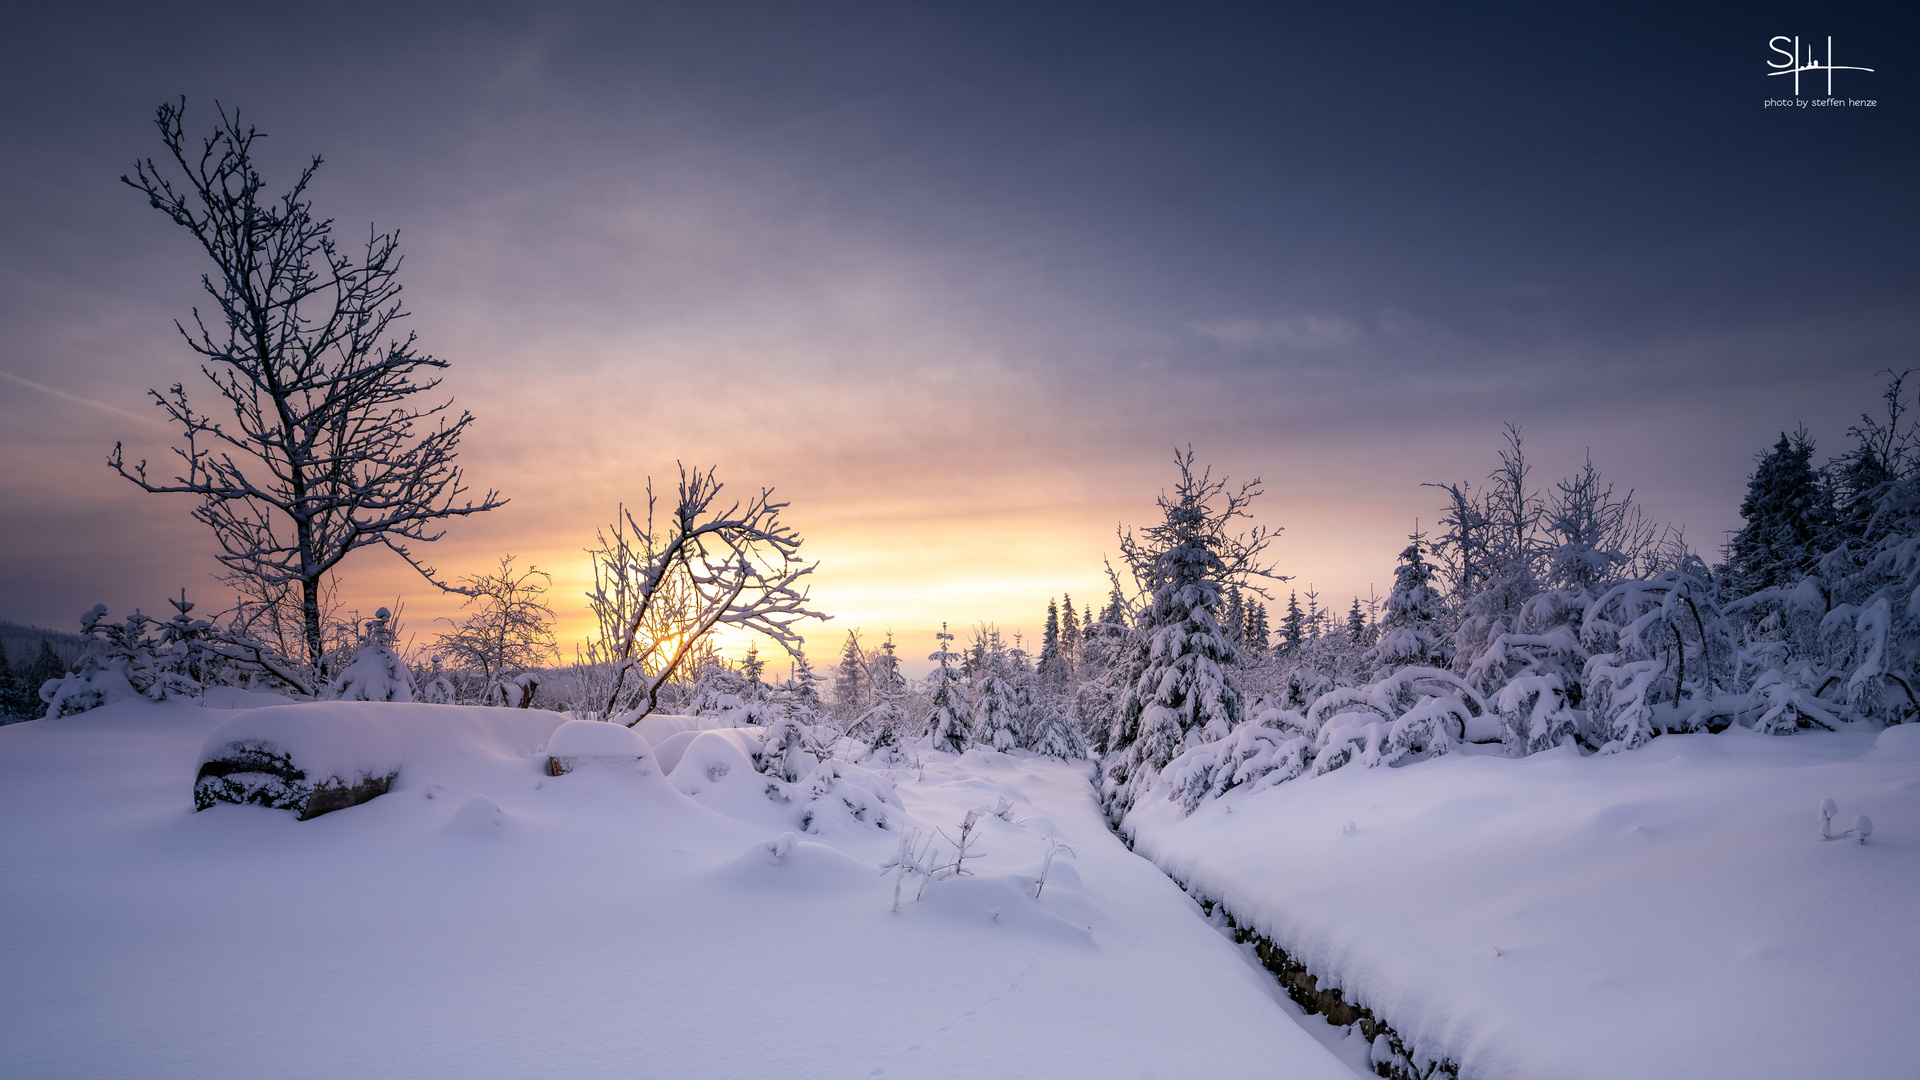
1054, 846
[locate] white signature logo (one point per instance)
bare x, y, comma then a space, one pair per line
1793, 65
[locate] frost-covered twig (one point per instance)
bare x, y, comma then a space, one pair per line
1054, 846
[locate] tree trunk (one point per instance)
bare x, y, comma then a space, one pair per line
310, 624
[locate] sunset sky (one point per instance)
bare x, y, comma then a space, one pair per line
957, 279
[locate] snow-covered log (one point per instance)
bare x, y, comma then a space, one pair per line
312, 762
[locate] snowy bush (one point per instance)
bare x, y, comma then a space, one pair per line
1259, 754
140, 656
376, 673
1534, 715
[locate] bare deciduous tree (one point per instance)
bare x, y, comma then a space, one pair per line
659, 591
510, 627
321, 457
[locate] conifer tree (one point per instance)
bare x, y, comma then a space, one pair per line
751, 669
852, 688
948, 723
1410, 631
1356, 624
887, 680
15, 702
1051, 661
1233, 621
1179, 687
1256, 632
799, 696
1115, 613
1293, 627
997, 720
46, 665
1786, 510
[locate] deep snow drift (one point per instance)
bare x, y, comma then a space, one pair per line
657, 916
1672, 911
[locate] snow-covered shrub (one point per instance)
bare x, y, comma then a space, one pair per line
1534, 715
140, 656
1258, 754
377, 673
94, 681
1661, 652
843, 792
1055, 733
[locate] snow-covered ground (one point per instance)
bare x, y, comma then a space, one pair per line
1671, 911
484, 919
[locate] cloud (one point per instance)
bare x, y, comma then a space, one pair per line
78, 400
1301, 333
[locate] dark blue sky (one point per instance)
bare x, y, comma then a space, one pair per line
956, 278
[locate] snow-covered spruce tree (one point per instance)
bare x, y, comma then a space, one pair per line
852, 684
1052, 666
1293, 625
507, 632
1179, 691
1787, 512
1411, 631
1356, 624
1069, 638
949, 723
998, 717
884, 724
659, 590
1845, 638
321, 457
798, 696
1108, 642
1256, 632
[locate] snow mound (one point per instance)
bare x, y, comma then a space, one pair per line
788, 864
233, 697
659, 727
1899, 743
478, 816
716, 771
1003, 902
594, 742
